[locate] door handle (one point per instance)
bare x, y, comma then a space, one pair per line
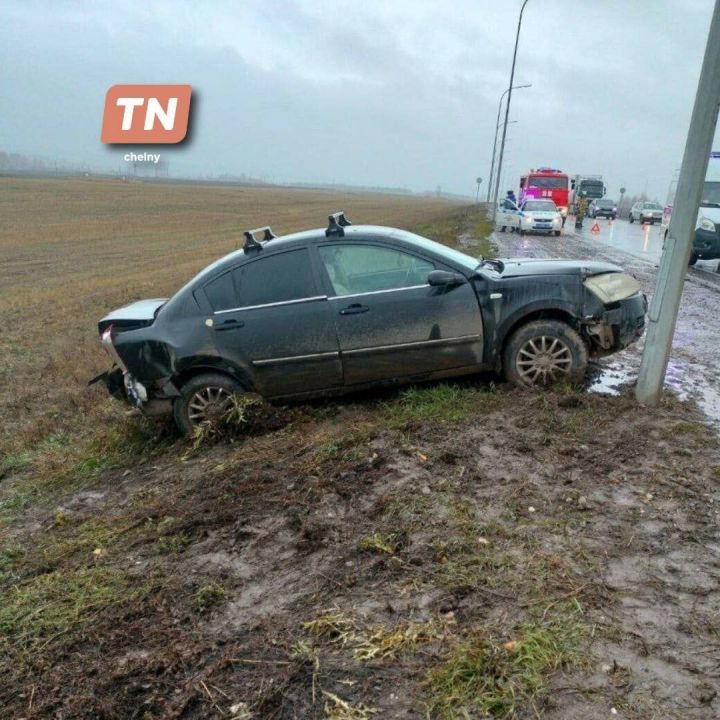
230, 324
354, 309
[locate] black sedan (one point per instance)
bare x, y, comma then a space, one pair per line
335, 310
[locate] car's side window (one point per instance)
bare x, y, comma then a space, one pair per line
355, 268
276, 278
220, 292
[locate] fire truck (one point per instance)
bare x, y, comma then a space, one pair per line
546, 182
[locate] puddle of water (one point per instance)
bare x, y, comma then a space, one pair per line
609, 379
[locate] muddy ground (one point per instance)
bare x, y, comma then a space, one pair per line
454, 551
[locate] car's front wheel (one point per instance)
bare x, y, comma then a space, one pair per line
544, 352
206, 398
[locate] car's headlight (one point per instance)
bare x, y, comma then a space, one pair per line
614, 209
706, 224
611, 287
528, 218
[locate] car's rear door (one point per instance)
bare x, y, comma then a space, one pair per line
272, 320
391, 323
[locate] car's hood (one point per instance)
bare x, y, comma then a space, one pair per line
711, 213
134, 315
515, 267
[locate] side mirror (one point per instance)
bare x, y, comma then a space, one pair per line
443, 278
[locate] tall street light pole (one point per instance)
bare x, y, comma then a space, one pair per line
497, 127
663, 311
507, 105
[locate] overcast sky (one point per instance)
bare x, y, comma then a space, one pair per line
372, 92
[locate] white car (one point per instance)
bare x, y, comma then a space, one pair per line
646, 212
539, 216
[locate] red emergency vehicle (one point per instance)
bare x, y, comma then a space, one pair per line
546, 182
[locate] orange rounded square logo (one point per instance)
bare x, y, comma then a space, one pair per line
146, 114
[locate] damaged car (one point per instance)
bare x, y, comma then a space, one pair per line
348, 307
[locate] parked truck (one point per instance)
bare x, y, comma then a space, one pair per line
591, 187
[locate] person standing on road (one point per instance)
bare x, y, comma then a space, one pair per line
581, 207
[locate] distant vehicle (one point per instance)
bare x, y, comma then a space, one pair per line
539, 216
646, 212
336, 310
547, 183
602, 208
706, 242
591, 187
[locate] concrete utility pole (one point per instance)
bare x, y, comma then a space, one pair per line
497, 127
507, 105
678, 245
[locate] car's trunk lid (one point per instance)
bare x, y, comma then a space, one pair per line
133, 316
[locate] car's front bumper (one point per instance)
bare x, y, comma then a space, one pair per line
706, 244
627, 319
536, 226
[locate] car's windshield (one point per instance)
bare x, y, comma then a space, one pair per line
547, 182
604, 203
454, 256
651, 206
711, 194
540, 206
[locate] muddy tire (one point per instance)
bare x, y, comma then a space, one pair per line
544, 352
203, 398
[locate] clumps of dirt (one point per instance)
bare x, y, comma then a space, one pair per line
248, 414
537, 554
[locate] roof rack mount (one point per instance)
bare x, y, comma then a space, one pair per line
251, 242
336, 224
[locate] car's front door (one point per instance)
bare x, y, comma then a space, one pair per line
391, 323
508, 214
271, 319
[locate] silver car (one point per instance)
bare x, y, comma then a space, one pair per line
646, 212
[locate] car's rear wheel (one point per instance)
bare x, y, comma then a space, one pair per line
204, 399
544, 352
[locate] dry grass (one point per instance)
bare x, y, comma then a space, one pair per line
73, 249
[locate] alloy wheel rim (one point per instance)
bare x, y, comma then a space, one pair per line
543, 360
209, 404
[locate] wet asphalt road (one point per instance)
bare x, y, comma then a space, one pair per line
642, 241
694, 367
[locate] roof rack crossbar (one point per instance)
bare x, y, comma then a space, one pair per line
336, 224
251, 242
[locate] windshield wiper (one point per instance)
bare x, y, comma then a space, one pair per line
495, 264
